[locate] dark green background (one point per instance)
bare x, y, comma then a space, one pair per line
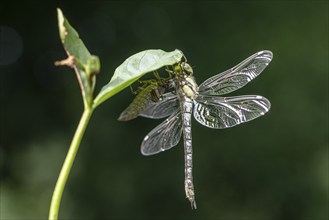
275, 167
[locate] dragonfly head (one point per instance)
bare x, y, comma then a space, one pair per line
183, 68
187, 69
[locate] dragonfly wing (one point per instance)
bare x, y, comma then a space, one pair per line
238, 76
221, 112
163, 137
162, 108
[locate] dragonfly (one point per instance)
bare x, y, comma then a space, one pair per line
150, 91
206, 103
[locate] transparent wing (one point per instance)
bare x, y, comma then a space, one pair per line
163, 137
238, 76
162, 108
222, 112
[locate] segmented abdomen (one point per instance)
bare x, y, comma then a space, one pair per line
139, 104
186, 107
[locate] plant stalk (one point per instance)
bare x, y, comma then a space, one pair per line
66, 168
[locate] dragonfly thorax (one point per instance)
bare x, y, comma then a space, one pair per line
184, 79
189, 87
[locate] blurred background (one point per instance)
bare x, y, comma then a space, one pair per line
275, 167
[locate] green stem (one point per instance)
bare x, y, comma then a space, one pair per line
60, 185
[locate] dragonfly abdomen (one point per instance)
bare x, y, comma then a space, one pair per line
186, 107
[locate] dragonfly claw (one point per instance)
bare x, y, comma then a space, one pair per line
189, 191
193, 204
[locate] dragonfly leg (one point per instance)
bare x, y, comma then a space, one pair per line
135, 92
146, 82
169, 71
140, 88
161, 80
156, 75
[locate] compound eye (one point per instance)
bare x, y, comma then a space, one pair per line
188, 69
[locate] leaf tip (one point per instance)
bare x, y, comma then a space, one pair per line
62, 29
59, 12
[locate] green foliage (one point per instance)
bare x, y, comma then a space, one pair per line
79, 58
135, 67
86, 67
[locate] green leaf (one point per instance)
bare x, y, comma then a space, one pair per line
135, 67
85, 64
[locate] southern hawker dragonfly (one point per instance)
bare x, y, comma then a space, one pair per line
206, 104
